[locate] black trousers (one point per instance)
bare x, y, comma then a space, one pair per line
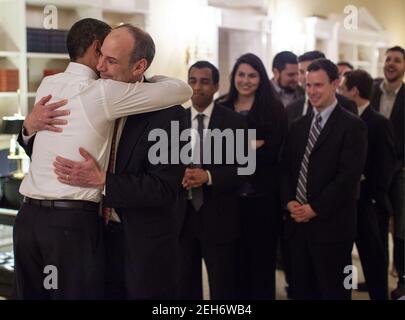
114, 261
383, 226
371, 250
318, 269
261, 224
68, 241
220, 260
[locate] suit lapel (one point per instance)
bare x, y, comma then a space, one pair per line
327, 128
377, 98
398, 104
188, 113
216, 118
132, 132
365, 116
303, 138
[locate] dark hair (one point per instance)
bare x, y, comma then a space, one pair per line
144, 47
345, 64
282, 59
205, 64
267, 108
82, 34
311, 56
362, 81
397, 49
326, 65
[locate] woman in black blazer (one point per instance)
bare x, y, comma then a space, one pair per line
252, 95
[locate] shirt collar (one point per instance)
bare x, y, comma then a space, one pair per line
325, 114
362, 108
81, 69
207, 112
276, 86
382, 87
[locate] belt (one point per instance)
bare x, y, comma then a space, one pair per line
64, 204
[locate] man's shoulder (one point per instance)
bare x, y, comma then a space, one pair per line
297, 103
376, 119
228, 114
348, 120
160, 117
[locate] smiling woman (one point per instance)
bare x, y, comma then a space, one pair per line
252, 95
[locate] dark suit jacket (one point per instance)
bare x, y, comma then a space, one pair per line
295, 109
221, 221
266, 177
334, 171
381, 161
27, 147
144, 194
397, 117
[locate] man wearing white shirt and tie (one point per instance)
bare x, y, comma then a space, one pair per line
59, 224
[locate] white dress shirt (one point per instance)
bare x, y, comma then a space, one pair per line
387, 100
94, 105
194, 125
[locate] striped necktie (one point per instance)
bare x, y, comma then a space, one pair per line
301, 194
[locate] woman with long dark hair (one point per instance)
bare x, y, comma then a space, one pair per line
252, 95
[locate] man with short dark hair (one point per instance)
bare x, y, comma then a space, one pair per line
374, 205
303, 106
389, 100
344, 67
320, 189
285, 81
59, 223
208, 230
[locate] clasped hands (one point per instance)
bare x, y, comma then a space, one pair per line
194, 178
300, 213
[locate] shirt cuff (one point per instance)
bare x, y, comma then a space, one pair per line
26, 138
209, 183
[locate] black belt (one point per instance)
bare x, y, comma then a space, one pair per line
64, 204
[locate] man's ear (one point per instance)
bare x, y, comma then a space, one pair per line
95, 47
336, 83
276, 74
355, 92
139, 68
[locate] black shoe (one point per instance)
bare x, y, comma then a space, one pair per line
398, 293
362, 287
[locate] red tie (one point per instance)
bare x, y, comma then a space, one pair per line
107, 212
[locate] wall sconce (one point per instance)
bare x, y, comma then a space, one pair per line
13, 125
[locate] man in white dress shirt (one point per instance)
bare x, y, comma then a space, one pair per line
58, 224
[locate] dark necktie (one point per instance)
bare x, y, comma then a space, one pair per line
107, 212
301, 193
197, 193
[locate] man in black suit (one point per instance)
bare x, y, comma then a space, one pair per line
322, 163
389, 100
377, 178
285, 81
142, 243
210, 222
302, 106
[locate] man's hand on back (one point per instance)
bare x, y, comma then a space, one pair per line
85, 174
44, 116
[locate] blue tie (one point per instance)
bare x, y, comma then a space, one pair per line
301, 194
